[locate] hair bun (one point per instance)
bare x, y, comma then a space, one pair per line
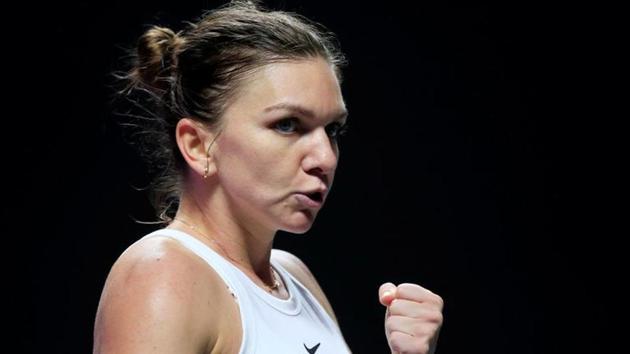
156, 57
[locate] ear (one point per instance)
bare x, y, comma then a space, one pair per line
193, 139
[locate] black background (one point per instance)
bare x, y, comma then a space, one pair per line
480, 163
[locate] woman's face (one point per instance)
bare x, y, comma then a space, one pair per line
277, 152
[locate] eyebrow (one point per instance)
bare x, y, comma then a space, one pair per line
302, 110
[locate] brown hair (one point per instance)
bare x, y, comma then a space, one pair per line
194, 73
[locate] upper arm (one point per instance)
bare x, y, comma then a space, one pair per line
151, 302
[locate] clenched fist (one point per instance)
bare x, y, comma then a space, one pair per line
413, 318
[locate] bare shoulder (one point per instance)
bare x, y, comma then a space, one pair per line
301, 272
158, 298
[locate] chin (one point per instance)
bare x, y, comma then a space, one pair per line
299, 224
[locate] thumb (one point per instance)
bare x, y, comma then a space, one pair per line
387, 293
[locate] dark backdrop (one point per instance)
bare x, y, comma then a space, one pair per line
476, 165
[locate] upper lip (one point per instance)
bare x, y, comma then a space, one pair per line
321, 190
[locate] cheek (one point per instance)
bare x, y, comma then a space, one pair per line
258, 165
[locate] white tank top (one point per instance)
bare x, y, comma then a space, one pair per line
271, 325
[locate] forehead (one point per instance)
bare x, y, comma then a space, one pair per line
310, 83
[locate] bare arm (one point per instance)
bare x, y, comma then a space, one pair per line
155, 300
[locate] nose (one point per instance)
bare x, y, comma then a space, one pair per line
321, 156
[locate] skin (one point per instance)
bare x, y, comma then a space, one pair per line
161, 298
413, 318
262, 159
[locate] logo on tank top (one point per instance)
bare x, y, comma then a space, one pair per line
312, 350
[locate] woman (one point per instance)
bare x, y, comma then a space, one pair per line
246, 113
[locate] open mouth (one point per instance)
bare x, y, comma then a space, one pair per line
316, 196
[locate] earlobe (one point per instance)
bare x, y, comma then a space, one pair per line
206, 171
194, 141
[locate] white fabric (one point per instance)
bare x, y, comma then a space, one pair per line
271, 325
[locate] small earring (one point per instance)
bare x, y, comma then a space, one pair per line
205, 170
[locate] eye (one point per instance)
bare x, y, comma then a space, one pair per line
286, 126
336, 130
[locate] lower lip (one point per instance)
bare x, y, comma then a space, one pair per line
308, 202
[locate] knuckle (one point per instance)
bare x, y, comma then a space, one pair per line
419, 329
434, 316
439, 317
390, 322
396, 340
437, 299
423, 347
395, 304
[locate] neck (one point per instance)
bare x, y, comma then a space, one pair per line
246, 246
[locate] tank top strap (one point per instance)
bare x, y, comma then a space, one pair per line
225, 270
